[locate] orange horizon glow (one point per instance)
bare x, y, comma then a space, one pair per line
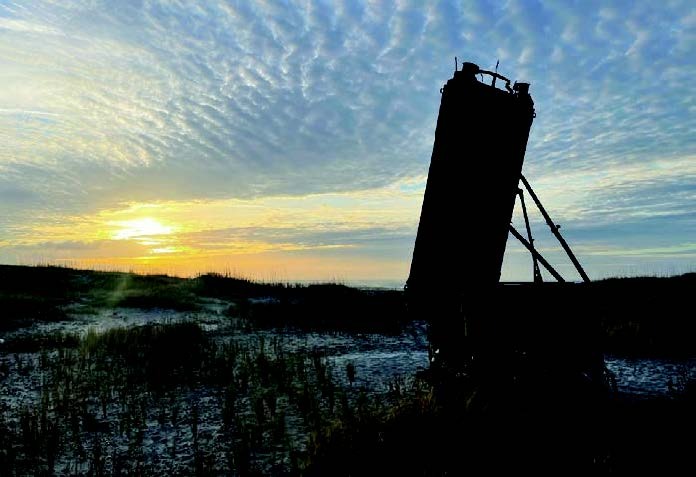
264, 268
269, 239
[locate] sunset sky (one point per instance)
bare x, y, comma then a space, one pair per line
290, 140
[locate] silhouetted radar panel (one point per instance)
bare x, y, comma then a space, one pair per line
477, 157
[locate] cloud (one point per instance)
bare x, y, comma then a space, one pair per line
173, 101
359, 239
106, 104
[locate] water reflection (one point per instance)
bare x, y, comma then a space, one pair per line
650, 377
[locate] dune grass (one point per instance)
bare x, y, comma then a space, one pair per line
29, 294
639, 316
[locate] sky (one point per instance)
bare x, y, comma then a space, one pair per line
290, 140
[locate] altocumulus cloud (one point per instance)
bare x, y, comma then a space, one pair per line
177, 100
109, 103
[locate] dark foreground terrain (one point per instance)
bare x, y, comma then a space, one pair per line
176, 376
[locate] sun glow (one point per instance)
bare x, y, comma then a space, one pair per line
145, 227
313, 237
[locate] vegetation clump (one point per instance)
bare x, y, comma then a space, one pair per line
170, 398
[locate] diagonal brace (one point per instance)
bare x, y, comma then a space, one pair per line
536, 254
554, 229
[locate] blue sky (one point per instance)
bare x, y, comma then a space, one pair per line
291, 140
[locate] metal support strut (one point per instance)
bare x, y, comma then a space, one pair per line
536, 256
535, 262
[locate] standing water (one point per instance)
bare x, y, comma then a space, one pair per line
378, 359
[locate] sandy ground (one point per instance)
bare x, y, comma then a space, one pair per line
379, 360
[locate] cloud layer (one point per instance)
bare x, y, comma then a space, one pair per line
109, 104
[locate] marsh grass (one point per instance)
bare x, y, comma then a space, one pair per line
168, 398
646, 316
31, 343
171, 399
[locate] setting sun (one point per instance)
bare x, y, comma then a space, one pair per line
144, 227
